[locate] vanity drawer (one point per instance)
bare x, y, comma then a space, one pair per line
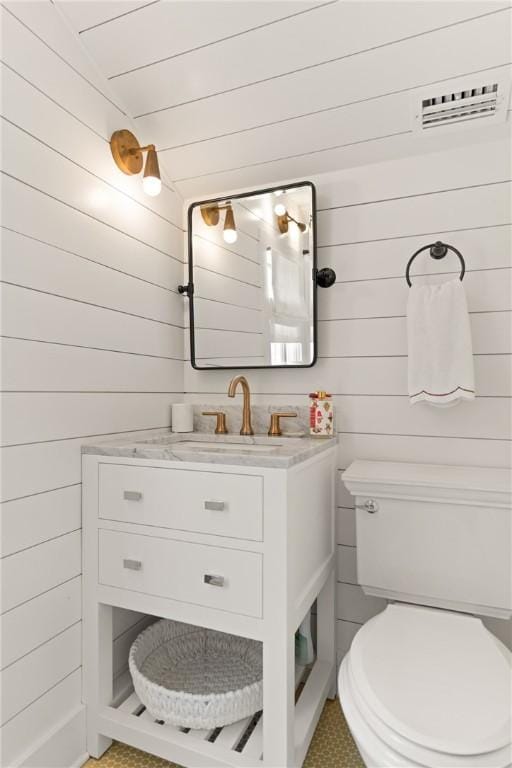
202, 502
226, 579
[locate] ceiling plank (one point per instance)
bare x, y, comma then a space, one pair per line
167, 29
363, 153
348, 81
307, 40
317, 132
84, 14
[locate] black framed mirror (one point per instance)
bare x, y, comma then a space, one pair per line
253, 279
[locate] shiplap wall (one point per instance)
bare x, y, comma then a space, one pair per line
370, 220
92, 344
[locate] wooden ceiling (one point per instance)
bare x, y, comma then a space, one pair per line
238, 93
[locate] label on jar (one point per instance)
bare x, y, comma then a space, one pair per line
321, 417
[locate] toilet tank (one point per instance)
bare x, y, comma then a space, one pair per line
434, 535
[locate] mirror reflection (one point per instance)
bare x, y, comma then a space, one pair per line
251, 261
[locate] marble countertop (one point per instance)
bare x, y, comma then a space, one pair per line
234, 449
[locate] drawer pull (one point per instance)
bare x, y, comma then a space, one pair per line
132, 565
216, 506
214, 581
132, 495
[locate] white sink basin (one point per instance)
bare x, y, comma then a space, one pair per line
196, 445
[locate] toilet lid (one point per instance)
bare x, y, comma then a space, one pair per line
439, 679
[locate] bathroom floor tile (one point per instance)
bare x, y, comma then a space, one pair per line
332, 747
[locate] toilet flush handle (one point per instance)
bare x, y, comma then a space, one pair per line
370, 505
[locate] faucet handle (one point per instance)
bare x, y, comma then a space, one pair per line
275, 422
220, 428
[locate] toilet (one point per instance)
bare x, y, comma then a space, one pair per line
425, 683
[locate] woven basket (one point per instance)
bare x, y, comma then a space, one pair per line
196, 678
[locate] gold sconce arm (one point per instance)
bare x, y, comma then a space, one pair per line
283, 221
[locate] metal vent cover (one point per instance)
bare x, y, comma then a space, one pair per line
461, 103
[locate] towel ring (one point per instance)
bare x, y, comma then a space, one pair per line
438, 250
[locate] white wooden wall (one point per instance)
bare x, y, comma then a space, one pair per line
92, 344
370, 220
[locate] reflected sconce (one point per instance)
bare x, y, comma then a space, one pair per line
283, 220
211, 217
127, 154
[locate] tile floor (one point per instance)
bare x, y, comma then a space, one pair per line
332, 747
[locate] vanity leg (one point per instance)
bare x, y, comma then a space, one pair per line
97, 681
279, 700
326, 632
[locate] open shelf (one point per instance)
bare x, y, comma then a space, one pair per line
242, 738
239, 745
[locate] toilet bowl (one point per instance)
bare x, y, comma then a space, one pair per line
428, 687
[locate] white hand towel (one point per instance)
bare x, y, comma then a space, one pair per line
439, 341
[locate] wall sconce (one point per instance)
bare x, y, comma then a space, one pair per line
211, 216
284, 218
127, 154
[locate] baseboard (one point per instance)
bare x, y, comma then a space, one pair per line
80, 761
63, 747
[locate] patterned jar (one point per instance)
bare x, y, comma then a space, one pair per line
321, 414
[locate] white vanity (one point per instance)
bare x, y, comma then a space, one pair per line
229, 533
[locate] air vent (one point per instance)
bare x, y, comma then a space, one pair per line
483, 102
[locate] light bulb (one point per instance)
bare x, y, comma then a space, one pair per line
229, 234
151, 185
279, 209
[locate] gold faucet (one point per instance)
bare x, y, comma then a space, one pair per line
246, 414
